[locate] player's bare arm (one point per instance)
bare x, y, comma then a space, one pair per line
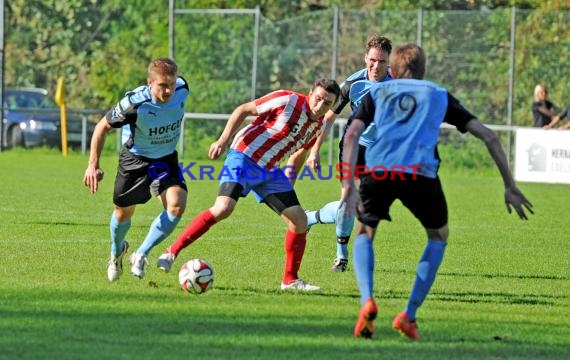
349, 193
314, 158
513, 196
295, 164
235, 121
93, 173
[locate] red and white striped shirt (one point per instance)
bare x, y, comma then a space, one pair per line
282, 127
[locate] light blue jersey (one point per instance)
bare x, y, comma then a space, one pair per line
408, 114
150, 129
358, 90
354, 96
354, 88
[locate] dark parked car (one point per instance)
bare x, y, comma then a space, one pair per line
32, 118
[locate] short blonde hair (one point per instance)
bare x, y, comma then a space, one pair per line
538, 88
163, 66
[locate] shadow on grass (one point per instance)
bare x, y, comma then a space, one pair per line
483, 275
229, 323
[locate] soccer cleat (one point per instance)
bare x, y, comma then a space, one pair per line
406, 327
299, 285
308, 225
339, 265
365, 325
138, 261
165, 261
115, 268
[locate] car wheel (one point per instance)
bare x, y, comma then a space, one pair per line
15, 137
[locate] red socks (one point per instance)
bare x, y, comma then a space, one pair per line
193, 231
294, 250
294, 243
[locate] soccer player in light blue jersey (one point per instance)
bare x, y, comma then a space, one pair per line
150, 117
403, 164
376, 58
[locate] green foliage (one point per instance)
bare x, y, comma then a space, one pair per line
473, 64
216, 64
459, 151
199, 135
49, 39
543, 42
139, 32
102, 48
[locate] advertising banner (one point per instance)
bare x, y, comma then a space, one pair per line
542, 155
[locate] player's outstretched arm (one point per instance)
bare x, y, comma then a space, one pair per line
236, 119
295, 164
314, 158
513, 196
349, 194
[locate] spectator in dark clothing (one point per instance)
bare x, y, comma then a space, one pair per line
556, 119
543, 110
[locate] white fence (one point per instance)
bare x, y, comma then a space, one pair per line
336, 132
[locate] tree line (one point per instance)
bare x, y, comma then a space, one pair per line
102, 48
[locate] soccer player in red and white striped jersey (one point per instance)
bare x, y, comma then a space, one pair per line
285, 122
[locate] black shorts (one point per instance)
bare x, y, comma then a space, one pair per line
140, 178
276, 201
423, 196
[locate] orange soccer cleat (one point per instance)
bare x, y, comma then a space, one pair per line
365, 325
406, 327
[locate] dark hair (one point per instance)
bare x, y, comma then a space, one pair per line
162, 65
380, 42
329, 85
408, 61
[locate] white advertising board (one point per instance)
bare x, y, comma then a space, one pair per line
542, 155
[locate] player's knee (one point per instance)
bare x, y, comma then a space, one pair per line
221, 211
296, 220
124, 213
177, 211
362, 229
301, 226
440, 234
298, 228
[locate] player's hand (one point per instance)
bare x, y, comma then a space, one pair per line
515, 198
92, 177
313, 161
216, 149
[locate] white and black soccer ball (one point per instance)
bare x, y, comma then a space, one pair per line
196, 276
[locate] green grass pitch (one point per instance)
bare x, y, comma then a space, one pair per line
502, 292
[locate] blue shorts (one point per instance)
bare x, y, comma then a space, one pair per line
240, 168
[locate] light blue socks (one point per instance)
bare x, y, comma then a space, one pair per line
344, 226
160, 228
331, 213
363, 253
325, 215
425, 275
118, 232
